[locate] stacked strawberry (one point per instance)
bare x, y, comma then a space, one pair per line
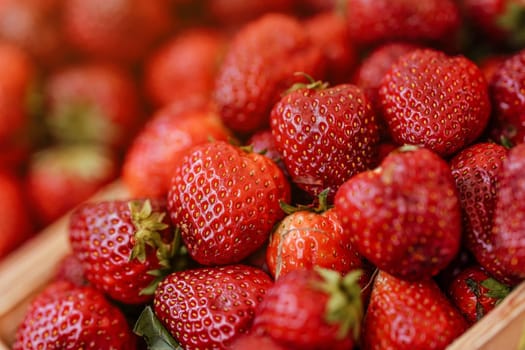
305, 179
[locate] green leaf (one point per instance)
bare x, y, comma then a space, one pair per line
157, 337
496, 290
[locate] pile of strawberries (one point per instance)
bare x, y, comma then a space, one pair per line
302, 174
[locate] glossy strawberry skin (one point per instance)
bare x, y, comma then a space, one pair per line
65, 316
431, 99
509, 215
404, 216
325, 136
305, 239
102, 236
401, 19
153, 154
477, 171
208, 307
225, 201
409, 315
249, 81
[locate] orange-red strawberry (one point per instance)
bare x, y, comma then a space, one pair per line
225, 201
312, 309
435, 100
475, 293
409, 315
376, 21
325, 135
65, 316
183, 66
208, 308
125, 246
404, 216
259, 65
172, 130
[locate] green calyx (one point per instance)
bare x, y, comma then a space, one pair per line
344, 306
322, 204
513, 22
312, 84
149, 225
151, 329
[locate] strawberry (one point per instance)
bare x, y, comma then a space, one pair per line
309, 237
405, 215
114, 30
509, 215
506, 89
92, 102
435, 100
16, 224
477, 172
149, 161
433, 21
255, 341
208, 308
409, 315
60, 177
65, 316
325, 135
489, 65
225, 201
125, 246
259, 65
263, 142
70, 269
475, 293
184, 65
312, 309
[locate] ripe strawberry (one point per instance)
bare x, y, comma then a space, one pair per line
225, 201
477, 171
263, 142
431, 99
506, 89
183, 66
70, 269
116, 30
409, 315
309, 237
475, 293
431, 21
235, 13
325, 135
153, 154
405, 215
509, 215
312, 309
65, 316
60, 177
259, 65
255, 341
125, 246
15, 224
207, 308
93, 103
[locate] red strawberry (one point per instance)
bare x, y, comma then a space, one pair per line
310, 237
60, 177
94, 103
506, 89
509, 215
15, 224
256, 341
409, 315
116, 30
259, 65
263, 142
325, 135
70, 269
312, 309
209, 307
477, 172
475, 293
65, 316
431, 99
150, 160
404, 216
376, 21
183, 66
124, 245
225, 201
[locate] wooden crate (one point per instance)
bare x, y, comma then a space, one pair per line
27, 270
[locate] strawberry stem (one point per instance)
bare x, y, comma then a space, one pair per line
322, 204
311, 85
